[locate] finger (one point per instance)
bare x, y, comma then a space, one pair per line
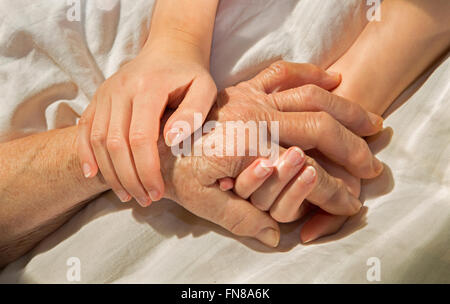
85, 152
198, 100
287, 167
253, 177
287, 206
120, 152
321, 224
236, 215
98, 141
331, 194
226, 183
283, 75
310, 98
352, 182
143, 137
321, 131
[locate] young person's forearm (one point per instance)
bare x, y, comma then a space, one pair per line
41, 185
390, 54
190, 22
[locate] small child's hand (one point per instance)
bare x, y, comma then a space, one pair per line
118, 132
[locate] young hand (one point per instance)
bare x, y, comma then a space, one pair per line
118, 132
297, 184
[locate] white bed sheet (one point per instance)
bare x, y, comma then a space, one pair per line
50, 67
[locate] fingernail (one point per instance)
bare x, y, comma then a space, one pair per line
263, 168
295, 156
310, 239
308, 175
143, 201
357, 205
87, 170
376, 120
174, 136
225, 186
334, 74
123, 196
377, 165
154, 195
269, 236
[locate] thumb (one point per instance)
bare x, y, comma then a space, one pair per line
321, 224
283, 75
192, 112
236, 215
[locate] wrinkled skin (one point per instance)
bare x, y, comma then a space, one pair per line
119, 130
192, 180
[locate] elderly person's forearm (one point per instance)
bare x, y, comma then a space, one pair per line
41, 184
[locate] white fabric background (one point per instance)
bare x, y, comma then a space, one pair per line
50, 67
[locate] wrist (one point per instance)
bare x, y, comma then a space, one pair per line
179, 45
183, 24
360, 85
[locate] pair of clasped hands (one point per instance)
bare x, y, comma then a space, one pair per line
128, 129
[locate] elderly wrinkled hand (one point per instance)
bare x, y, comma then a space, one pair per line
306, 119
283, 191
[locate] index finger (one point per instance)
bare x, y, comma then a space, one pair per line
321, 131
310, 98
283, 75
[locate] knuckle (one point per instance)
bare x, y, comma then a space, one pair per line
354, 116
308, 92
98, 138
84, 121
280, 68
326, 120
324, 124
337, 193
353, 112
273, 102
328, 186
122, 79
362, 155
140, 84
115, 143
139, 139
